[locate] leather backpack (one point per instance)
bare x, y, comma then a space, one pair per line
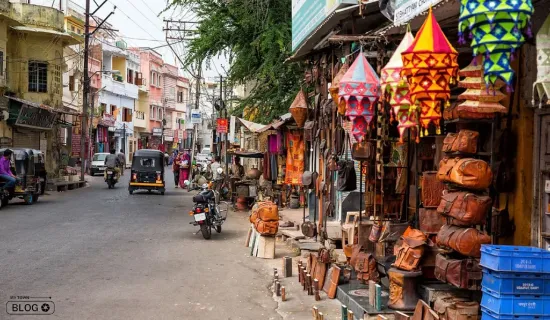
471, 174
465, 142
366, 268
267, 228
464, 208
466, 241
454, 308
410, 252
432, 189
461, 273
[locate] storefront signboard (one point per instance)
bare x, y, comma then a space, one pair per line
75, 145
37, 118
196, 117
406, 10
157, 132
307, 15
222, 125
108, 120
181, 134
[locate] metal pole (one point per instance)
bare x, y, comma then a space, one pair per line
197, 103
86, 90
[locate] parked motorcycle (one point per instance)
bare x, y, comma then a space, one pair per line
111, 178
206, 211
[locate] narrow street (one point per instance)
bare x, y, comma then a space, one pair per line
103, 254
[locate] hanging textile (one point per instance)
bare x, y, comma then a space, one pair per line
495, 27
541, 87
359, 89
396, 91
430, 64
294, 158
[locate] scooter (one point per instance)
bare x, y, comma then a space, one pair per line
111, 177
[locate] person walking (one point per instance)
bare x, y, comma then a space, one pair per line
176, 168
185, 168
122, 160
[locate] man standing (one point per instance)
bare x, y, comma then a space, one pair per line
176, 168
214, 167
5, 171
122, 160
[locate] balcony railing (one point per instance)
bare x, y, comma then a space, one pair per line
140, 115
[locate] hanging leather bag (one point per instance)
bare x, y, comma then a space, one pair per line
366, 269
461, 273
347, 178
445, 167
410, 252
464, 208
465, 142
466, 241
432, 189
472, 174
339, 140
454, 308
363, 151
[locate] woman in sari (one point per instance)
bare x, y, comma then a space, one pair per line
185, 166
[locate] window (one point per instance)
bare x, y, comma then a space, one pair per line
153, 113
57, 76
71, 83
158, 82
1, 63
73, 29
113, 110
102, 109
126, 115
139, 79
38, 76
130, 76
161, 115
180, 97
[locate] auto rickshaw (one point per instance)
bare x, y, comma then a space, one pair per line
29, 166
147, 171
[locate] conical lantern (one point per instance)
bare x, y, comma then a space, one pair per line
430, 64
298, 109
395, 90
495, 27
359, 90
335, 86
541, 87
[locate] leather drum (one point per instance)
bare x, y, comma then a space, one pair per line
403, 295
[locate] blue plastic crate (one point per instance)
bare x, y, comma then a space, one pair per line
516, 283
516, 305
488, 315
515, 259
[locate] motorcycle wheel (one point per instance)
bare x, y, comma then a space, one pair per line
5, 201
219, 229
206, 231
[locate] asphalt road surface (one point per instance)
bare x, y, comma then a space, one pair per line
105, 254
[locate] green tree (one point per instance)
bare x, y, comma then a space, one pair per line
256, 34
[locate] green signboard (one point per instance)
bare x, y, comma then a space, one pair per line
307, 15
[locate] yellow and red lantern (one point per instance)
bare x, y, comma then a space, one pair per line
430, 65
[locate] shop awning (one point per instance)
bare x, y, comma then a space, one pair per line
252, 126
248, 154
65, 110
285, 118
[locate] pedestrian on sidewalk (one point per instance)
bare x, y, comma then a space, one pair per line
185, 168
176, 168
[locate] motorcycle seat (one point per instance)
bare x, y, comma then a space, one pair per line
204, 196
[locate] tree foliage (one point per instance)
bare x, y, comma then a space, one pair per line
257, 36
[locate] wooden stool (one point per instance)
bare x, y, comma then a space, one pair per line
349, 228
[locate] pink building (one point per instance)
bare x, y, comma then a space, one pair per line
170, 79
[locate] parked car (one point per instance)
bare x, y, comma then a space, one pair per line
203, 159
98, 163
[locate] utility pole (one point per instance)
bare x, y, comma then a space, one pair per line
197, 104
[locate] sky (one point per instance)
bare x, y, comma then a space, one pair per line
140, 24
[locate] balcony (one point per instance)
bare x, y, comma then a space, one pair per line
38, 16
139, 120
119, 87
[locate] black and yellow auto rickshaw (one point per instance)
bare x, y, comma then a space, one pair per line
29, 167
147, 171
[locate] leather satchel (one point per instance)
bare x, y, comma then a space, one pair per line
365, 267
445, 167
471, 174
464, 208
432, 189
430, 221
347, 179
465, 142
448, 142
267, 228
309, 130
309, 178
363, 151
454, 308
424, 312
461, 273
466, 241
410, 252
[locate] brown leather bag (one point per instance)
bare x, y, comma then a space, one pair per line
410, 252
366, 269
430, 221
267, 228
463, 273
424, 312
454, 308
445, 167
363, 151
471, 174
464, 208
466, 241
323, 255
356, 249
465, 141
432, 189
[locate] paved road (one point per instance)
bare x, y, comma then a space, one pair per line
103, 254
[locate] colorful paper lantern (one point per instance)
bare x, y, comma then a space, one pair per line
359, 90
430, 65
298, 109
541, 87
396, 90
495, 27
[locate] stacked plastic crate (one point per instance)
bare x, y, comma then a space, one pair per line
516, 283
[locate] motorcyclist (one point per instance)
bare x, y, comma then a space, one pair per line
112, 162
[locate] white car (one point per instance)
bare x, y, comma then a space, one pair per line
202, 159
98, 163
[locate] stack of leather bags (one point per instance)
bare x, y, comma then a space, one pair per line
465, 205
265, 218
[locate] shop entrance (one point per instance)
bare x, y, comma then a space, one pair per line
544, 181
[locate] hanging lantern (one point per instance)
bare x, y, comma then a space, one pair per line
430, 64
480, 102
335, 87
298, 109
360, 92
395, 90
541, 87
495, 27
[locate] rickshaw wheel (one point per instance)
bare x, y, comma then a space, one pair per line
5, 201
131, 191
